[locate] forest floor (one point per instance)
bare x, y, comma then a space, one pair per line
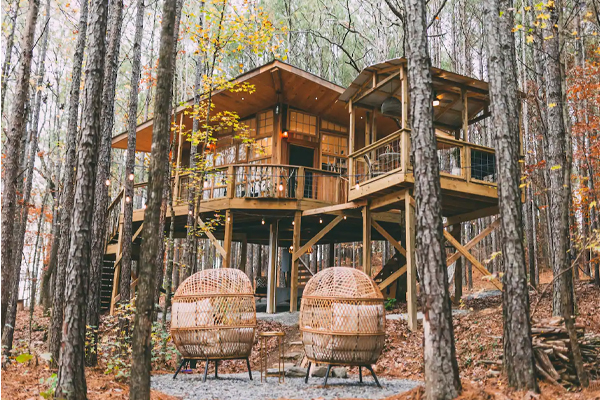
478, 335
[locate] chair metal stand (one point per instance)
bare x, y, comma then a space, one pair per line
190, 361
360, 376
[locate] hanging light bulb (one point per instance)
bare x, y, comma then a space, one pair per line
263, 221
291, 249
130, 177
205, 184
190, 212
357, 186
344, 217
107, 182
293, 223
436, 102
144, 206
127, 199
320, 220
280, 187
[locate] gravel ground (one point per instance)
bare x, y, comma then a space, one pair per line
239, 387
284, 318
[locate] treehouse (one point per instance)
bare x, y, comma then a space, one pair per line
323, 165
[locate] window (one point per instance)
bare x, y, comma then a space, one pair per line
225, 156
334, 153
330, 126
262, 148
265, 123
303, 123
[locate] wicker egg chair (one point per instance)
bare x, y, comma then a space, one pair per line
342, 320
214, 318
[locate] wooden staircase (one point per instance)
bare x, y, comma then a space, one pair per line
108, 271
304, 275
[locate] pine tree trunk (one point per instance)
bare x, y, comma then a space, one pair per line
518, 352
8, 51
101, 200
141, 342
19, 235
12, 152
71, 378
441, 368
136, 71
66, 200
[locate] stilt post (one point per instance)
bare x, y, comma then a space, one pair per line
366, 261
295, 263
227, 239
272, 271
411, 270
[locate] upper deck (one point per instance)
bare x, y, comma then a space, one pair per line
380, 162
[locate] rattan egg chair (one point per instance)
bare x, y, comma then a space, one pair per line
342, 320
214, 318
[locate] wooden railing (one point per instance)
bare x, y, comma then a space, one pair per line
114, 215
264, 181
458, 159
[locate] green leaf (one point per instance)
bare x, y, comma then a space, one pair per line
23, 358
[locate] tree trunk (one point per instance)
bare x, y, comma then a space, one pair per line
8, 52
136, 71
71, 378
141, 342
12, 151
441, 368
101, 199
19, 234
559, 173
66, 200
518, 352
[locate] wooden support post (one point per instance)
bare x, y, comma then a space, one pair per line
456, 233
212, 237
404, 85
244, 253
351, 145
295, 263
411, 270
299, 252
366, 261
230, 182
472, 259
228, 238
331, 258
272, 271
178, 165
474, 241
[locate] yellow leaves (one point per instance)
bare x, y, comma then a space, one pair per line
518, 27
543, 16
548, 37
529, 38
551, 105
528, 8
555, 167
592, 204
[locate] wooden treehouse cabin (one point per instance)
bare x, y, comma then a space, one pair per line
326, 165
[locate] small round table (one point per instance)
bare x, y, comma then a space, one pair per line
264, 337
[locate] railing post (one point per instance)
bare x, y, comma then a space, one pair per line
300, 184
405, 142
466, 162
231, 182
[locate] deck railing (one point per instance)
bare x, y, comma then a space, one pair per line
458, 159
114, 215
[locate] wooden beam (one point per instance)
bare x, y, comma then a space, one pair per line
474, 241
465, 114
244, 253
471, 259
387, 199
272, 271
483, 212
295, 263
411, 275
392, 278
389, 237
375, 87
366, 259
315, 239
337, 207
227, 239
212, 238
458, 289
442, 110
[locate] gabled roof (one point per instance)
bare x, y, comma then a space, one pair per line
446, 84
274, 82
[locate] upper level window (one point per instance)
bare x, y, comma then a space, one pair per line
330, 126
262, 149
303, 123
334, 153
265, 123
225, 155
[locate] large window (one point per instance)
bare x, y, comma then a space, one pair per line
334, 153
265, 123
225, 155
303, 123
330, 126
262, 149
